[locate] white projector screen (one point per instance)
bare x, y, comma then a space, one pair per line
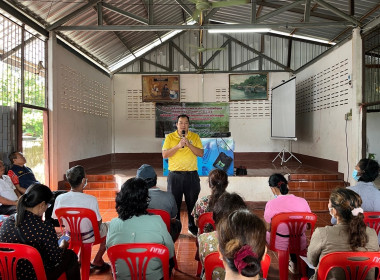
283, 115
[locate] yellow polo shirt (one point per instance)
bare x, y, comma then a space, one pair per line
183, 159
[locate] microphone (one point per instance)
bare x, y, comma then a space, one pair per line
183, 135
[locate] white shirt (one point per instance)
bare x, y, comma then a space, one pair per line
82, 200
7, 189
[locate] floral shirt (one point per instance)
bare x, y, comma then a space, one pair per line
201, 206
208, 243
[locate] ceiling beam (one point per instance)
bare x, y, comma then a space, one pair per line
106, 21
253, 12
184, 7
152, 28
306, 17
23, 18
297, 10
279, 11
338, 12
100, 13
72, 15
125, 13
150, 12
216, 53
155, 64
184, 54
245, 63
352, 7
257, 52
210, 14
367, 14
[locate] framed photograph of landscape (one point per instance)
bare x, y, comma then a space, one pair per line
160, 88
245, 87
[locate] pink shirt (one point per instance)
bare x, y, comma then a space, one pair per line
283, 204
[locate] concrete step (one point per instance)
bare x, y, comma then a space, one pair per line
92, 185
314, 177
315, 185
102, 193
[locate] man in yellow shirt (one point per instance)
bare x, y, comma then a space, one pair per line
182, 147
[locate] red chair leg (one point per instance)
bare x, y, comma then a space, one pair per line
62, 277
283, 264
175, 263
199, 269
85, 256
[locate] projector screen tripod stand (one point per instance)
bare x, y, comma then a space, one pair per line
281, 155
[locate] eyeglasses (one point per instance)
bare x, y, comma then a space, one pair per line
330, 208
48, 205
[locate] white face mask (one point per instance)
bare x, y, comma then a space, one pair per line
85, 184
330, 210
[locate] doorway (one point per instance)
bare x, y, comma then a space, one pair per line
33, 139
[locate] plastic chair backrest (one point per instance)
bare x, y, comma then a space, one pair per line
204, 219
213, 261
265, 264
138, 261
355, 264
372, 219
296, 222
73, 217
164, 215
11, 253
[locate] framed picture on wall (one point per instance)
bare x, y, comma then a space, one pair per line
160, 88
244, 87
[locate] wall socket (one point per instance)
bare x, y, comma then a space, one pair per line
348, 116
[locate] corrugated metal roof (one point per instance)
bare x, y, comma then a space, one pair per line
109, 47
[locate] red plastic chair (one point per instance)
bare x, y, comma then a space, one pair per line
296, 222
11, 253
213, 261
204, 219
356, 265
372, 219
138, 261
265, 264
73, 217
166, 218
164, 215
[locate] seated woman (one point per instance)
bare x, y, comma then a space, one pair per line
27, 227
135, 225
365, 173
349, 234
218, 182
208, 242
242, 244
283, 203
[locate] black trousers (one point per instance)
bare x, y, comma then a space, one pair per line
69, 265
185, 183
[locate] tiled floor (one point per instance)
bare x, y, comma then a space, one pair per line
185, 250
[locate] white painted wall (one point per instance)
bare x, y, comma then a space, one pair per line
138, 136
322, 133
373, 134
250, 188
74, 134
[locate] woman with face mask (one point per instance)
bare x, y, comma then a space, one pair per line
283, 203
349, 234
365, 173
